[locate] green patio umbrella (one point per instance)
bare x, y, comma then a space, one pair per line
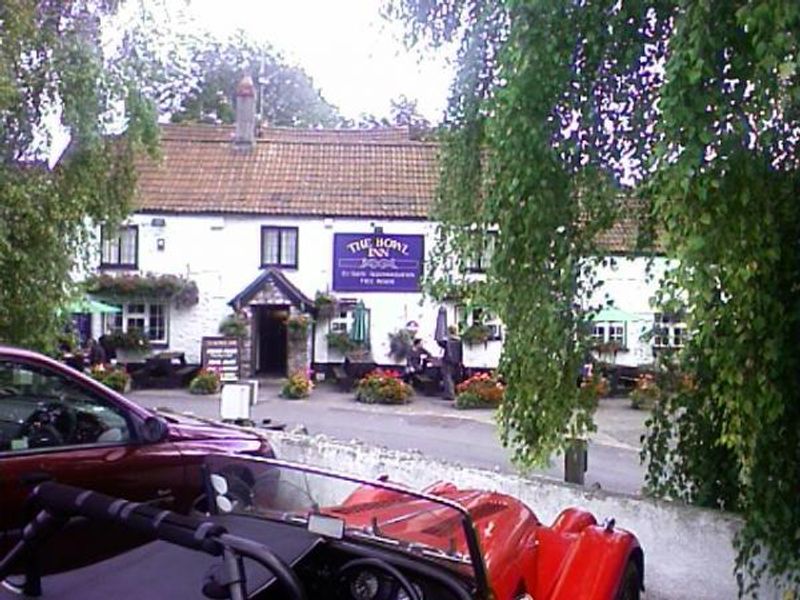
87, 305
359, 332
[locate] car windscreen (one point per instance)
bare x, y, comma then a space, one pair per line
342, 507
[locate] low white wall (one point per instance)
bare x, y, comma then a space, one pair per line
688, 551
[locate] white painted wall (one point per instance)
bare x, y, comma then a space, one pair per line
222, 254
631, 284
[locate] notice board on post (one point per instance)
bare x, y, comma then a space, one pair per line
223, 355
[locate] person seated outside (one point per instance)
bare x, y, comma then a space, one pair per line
414, 360
97, 354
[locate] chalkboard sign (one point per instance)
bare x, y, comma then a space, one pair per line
222, 354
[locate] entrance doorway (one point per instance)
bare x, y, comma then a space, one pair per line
271, 339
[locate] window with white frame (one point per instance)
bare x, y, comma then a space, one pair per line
480, 260
279, 246
609, 332
669, 331
341, 321
148, 317
120, 247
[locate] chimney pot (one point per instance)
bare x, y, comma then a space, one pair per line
245, 112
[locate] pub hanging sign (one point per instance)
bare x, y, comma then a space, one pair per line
377, 262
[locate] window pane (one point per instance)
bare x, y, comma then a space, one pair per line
33, 405
270, 249
127, 246
136, 322
157, 326
288, 247
110, 249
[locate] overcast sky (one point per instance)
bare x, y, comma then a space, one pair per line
354, 56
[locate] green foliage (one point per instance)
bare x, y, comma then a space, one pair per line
400, 344
297, 326
340, 342
132, 340
476, 333
326, 304
50, 56
205, 382
234, 325
116, 378
181, 291
553, 105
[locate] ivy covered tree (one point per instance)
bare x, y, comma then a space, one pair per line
693, 109
52, 68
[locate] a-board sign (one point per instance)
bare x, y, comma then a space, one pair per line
223, 355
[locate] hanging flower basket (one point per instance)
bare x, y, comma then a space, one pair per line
234, 325
326, 305
297, 326
183, 292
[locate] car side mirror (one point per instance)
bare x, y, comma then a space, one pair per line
154, 430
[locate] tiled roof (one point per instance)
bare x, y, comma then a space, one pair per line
290, 172
357, 173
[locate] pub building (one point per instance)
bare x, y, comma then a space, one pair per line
263, 220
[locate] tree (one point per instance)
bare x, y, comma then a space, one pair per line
698, 103
403, 112
288, 97
51, 65
192, 75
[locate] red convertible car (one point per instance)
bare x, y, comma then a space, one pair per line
267, 530
57, 423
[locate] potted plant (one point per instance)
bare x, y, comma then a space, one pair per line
116, 378
299, 385
646, 393
383, 387
482, 390
205, 382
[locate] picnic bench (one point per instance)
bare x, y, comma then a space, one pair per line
344, 382
165, 370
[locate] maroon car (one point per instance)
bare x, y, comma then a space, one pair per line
56, 423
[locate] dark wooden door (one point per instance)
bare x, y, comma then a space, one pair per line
272, 341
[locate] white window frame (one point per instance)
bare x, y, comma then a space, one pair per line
113, 248
665, 328
121, 320
607, 332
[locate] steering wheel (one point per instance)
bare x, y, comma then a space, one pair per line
280, 569
53, 424
380, 565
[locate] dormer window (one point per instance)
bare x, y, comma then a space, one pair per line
120, 247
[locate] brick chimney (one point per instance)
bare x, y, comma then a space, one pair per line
245, 112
